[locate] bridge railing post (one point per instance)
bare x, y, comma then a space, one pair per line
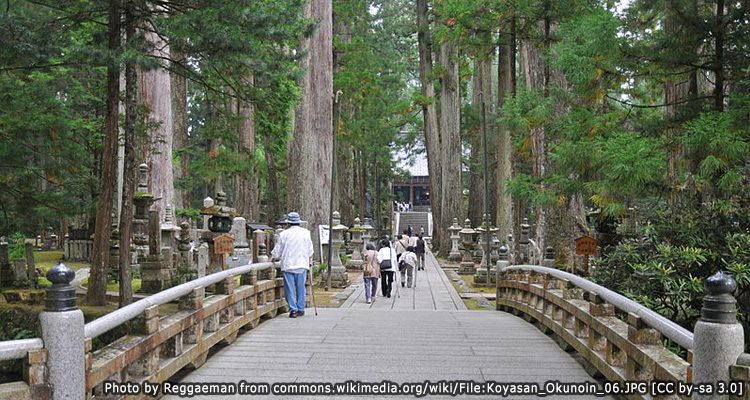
148, 364
35, 374
718, 338
598, 308
639, 333
62, 331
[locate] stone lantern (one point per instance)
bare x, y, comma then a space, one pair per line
368, 231
142, 200
355, 261
495, 246
454, 254
523, 243
221, 215
467, 240
219, 224
169, 229
485, 238
339, 278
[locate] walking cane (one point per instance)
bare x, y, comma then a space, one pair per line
312, 293
397, 274
415, 274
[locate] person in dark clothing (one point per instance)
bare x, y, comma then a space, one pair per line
419, 250
388, 267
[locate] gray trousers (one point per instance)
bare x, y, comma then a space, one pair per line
409, 272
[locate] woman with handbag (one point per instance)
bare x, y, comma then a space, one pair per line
388, 267
370, 273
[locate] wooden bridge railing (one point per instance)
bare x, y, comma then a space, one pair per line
164, 344
620, 338
64, 365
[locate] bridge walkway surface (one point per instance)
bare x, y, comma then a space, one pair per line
425, 335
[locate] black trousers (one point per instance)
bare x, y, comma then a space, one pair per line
386, 282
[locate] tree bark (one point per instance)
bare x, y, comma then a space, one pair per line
534, 73
309, 166
450, 143
273, 192
183, 195
431, 128
156, 95
483, 85
131, 119
505, 90
97, 291
246, 183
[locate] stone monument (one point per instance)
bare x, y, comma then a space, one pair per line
355, 261
143, 200
467, 240
455, 254
241, 254
339, 278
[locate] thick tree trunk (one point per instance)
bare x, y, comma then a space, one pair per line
273, 192
482, 84
431, 128
97, 291
183, 195
246, 184
476, 171
126, 216
345, 183
505, 89
156, 95
309, 171
450, 143
534, 72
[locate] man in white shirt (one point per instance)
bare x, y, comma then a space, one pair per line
294, 249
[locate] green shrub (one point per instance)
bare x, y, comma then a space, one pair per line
17, 246
665, 267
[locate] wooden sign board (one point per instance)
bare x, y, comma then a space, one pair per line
586, 245
223, 244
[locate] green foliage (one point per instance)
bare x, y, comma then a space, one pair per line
189, 213
665, 267
184, 274
17, 246
720, 148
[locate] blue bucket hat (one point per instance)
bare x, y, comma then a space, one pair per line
293, 218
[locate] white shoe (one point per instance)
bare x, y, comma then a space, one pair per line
368, 301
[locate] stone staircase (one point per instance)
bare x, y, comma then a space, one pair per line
415, 220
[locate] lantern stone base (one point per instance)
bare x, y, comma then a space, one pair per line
466, 268
481, 275
354, 265
339, 278
156, 275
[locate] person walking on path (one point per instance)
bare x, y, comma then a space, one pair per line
401, 244
406, 266
388, 265
419, 250
294, 249
370, 273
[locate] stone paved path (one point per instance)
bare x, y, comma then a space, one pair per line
433, 291
428, 336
